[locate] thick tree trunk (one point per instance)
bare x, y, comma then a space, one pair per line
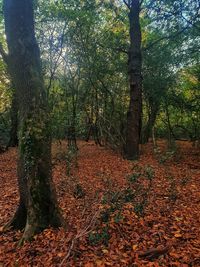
134, 69
14, 122
38, 207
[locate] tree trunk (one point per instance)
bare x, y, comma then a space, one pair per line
154, 137
135, 79
150, 124
171, 136
38, 207
14, 122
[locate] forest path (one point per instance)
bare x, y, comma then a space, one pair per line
114, 191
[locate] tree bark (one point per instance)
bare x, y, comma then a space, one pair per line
13, 142
150, 124
135, 80
38, 207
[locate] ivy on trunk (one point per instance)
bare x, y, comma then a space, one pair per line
38, 208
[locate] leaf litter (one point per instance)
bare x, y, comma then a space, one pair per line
118, 212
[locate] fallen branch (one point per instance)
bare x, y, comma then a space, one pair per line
80, 234
154, 253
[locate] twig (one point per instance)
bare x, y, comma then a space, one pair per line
80, 234
127, 4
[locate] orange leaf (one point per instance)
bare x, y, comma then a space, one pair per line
178, 235
134, 247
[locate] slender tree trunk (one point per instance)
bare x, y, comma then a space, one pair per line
72, 140
134, 70
38, 207
171, 135
154, 137
150, 124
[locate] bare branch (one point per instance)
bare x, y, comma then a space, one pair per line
164, 38
190, 22
127, 4
81, 233
53, 71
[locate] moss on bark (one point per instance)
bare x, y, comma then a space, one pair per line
39, 207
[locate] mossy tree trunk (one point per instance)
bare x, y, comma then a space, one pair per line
134, 113
13, 142
38, 207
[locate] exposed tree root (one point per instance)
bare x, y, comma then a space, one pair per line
29, 232
18, 221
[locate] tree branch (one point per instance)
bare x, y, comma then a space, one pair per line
127, 4
118, 49
53, 71
164, 38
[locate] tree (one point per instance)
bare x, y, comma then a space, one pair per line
169, 44
159, 76
38, 205
135, 82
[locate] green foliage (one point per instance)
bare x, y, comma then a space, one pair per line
139, 208
165, 157
137, 193
185, 180
84, 49
100, 236
149, 172
134, 177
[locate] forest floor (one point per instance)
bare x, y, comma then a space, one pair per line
118, 212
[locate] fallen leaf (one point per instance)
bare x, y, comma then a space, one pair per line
134, 247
